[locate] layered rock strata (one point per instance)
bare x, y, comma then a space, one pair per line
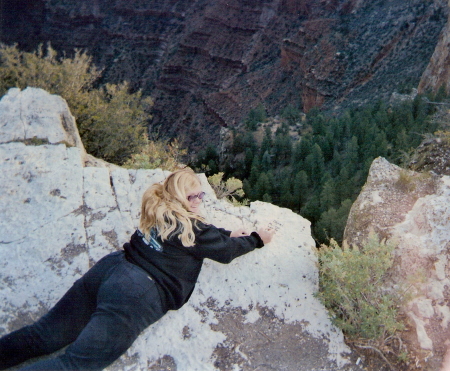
208, 62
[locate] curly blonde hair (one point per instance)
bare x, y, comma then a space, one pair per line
166, 208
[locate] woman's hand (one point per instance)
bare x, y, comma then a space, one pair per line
266, 234
239, 233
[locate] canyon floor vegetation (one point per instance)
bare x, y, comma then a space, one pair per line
316, 164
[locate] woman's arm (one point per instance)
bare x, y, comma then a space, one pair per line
239, 233
266, 234
211, 243
224, 231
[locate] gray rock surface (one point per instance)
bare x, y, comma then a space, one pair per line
34, 114
412, 209
58, 217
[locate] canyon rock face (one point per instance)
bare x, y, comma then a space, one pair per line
413, 210
208, 62
58, 217
437, 73
433, 155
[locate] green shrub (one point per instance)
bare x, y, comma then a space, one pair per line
110, 119
354, 287
64, 76
157, 154
229, 189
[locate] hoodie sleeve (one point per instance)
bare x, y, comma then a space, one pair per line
213, 243
224, 231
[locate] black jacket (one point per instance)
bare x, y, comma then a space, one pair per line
175, 268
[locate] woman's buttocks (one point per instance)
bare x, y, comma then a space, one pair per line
115, 277
127, 279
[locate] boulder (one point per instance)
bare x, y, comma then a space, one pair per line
36, 117
412, 209
58, 217
433, 154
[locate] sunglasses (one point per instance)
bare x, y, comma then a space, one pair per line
193, 197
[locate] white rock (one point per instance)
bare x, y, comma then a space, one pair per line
57, 218
414, 211
34, 113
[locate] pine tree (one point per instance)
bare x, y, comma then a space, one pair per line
266, 144
328, 195
250, 155
255, 172
248, 189
262, 187
291, 114
282, 149
315, 165
301, 190
266, 161
255, 116
317, 121
301, 150
351, 156
311, 209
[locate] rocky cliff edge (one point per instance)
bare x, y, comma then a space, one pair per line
58, 216
412, 209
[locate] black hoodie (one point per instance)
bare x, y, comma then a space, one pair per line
175, 268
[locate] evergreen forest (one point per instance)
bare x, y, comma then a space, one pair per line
320, 174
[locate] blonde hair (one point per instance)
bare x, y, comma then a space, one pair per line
166, 208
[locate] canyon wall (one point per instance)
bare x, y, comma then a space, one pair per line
437, 73
207, 63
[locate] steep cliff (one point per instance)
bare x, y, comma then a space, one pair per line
58, 217
412, 210
437, 73
207, 63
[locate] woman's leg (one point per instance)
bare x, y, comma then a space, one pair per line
61, 325
128, 302
58, 328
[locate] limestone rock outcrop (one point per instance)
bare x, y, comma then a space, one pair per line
413, 210
58, 217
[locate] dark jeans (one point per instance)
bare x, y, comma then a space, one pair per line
100, 317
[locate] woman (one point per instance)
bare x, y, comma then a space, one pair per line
126, 291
